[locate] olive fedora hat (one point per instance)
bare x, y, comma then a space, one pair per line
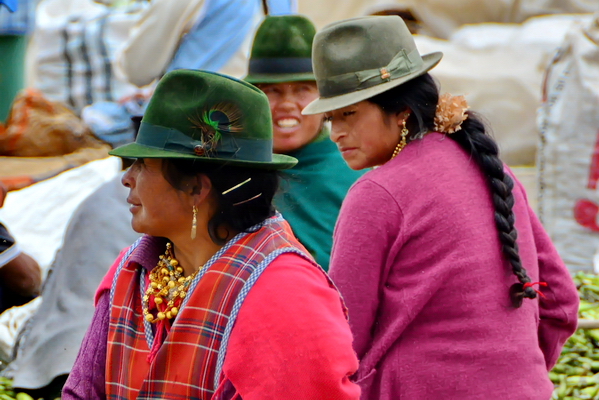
358, 58
207, 117
282, 50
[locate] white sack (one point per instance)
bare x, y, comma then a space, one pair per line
569, 153
500, 67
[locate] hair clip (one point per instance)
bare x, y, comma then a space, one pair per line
245, 201
236, 186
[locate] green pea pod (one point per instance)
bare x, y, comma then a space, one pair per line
590, 391
554, 377
562, 389
6, 397
23, 396
586, 306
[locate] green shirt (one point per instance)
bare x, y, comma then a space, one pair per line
311, 195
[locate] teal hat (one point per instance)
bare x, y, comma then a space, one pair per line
358, 58
282, 50
207, 117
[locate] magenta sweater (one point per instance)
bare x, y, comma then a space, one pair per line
416, 256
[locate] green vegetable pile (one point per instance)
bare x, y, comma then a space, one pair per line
576, 374
7, 392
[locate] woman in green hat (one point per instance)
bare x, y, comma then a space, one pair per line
454, 289
315, 187
218, 300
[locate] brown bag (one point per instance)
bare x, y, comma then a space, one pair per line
37, 127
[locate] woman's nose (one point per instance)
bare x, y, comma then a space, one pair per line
127, 179
336, 132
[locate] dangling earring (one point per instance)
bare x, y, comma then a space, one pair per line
402, 143
194, 223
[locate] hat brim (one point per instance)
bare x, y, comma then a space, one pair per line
135, 150
325, 104
256, 79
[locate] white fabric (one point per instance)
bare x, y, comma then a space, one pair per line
37, 216
440, 18
569, 153
499, 68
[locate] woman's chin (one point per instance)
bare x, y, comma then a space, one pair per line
355, 163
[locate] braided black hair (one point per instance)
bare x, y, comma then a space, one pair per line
421, 95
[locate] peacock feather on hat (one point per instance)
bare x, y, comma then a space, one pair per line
221, 118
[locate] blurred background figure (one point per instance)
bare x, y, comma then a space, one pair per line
20, 275
194, 34
312, 193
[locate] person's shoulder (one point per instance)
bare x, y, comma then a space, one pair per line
291, 269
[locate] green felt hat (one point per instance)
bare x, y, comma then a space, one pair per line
359, 58
282, 50
207, 117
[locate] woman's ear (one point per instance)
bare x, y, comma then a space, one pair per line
402, 117
201, 188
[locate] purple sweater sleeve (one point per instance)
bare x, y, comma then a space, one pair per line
87, 380
559, 308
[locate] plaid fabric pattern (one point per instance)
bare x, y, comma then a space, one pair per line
188, 364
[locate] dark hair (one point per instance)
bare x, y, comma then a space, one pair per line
421, 95
239, 209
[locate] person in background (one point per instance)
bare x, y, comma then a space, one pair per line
312, 192
47, 348
20, 275
211, 35
454, 288
16, 22
206, 303
98, 230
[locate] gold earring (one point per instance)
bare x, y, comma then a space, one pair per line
194, 222
402, 143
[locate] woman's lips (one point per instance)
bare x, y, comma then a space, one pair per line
346, 151
133, 207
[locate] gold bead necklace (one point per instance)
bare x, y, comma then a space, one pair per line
167, 289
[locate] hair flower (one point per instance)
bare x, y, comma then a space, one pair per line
451, 112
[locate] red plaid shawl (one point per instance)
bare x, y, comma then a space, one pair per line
189, 362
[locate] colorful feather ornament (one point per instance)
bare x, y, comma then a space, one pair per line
222, 118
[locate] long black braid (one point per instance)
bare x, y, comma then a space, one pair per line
421, 95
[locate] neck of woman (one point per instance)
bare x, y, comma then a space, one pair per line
193, 254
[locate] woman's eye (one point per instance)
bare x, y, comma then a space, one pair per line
348, 113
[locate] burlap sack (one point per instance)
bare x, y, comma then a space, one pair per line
569, 150
37, 127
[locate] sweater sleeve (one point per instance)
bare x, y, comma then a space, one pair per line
368, 223
87, 380
155, 38
291, 339
559, 309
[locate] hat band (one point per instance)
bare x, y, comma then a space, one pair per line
283, 65
228, 147
402, 64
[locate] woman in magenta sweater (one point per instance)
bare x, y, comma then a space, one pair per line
454, 289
